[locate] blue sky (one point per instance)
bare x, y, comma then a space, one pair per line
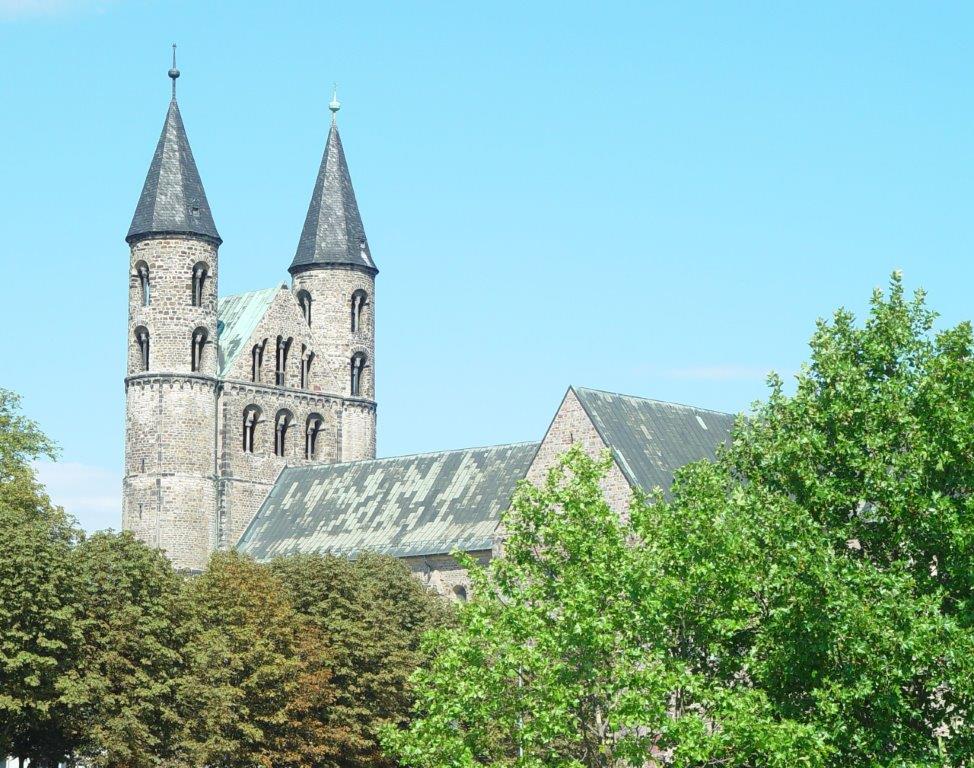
656, 199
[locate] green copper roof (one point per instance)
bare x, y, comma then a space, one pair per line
427, 504
651, 439
237, 318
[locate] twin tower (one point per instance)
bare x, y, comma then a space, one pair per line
223, 393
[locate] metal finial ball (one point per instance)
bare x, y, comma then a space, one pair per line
334, 105
173, 73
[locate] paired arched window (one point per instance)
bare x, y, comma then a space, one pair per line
304, 301
359, 300
196, 350
251, 417
257, 360
358, 368
199, 279
283, 347
311, 431
142, 340
142, 272
282, 423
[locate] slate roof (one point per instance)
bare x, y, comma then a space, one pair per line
426, 504
651, 439
237, 318
173, 200
333, 232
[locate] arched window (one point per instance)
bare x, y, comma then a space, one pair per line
251, 417
142, 339
282, 423
359, 300
199, 279
283, 347
304, 301
358, 366
311, 431
257, 360
196, 351
460, 592
307, 357
142, 271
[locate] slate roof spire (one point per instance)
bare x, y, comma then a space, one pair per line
173, 200
333, 231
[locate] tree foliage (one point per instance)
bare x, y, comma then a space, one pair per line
372, 613
803, 601
129, 613
256, 687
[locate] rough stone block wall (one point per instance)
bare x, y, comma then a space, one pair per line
331, 292
358, 431
169, 488
572, 425
247, 477
170, 316
442, 574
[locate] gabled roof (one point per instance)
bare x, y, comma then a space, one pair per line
651, 439
333, 231
426, 504
237, 319
173, 200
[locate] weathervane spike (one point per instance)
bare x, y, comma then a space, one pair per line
334, 105
173, 73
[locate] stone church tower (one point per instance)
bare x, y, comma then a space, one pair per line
171, 386
224, 393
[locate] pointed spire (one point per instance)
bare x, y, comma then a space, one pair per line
173, 200
333, 231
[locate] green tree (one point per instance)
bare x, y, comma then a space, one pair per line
256, 686
372, 613
805, 600
128, 604
560, 659
39, 633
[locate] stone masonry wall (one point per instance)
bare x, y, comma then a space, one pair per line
169, 488
331, 290
572, 425
247, 477
170, 316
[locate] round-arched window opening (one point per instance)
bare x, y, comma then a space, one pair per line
460, 593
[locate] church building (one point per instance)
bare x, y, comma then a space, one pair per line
251, 419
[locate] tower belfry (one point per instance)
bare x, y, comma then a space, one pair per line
170, 491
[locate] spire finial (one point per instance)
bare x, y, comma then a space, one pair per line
174, 73
334, 105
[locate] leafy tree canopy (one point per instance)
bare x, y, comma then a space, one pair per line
803, 601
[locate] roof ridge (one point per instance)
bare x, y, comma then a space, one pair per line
323, 464
653, 400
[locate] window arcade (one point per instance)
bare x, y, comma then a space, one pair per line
282, 423
313, 427
251, 417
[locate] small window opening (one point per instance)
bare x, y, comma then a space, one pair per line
196, 352
257, 360
283, 347
358, 365
359, 300
251, 416
142, 339
311, 436
199, 278
281, 426
307, 358
460, 592
142, 270
304, 301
